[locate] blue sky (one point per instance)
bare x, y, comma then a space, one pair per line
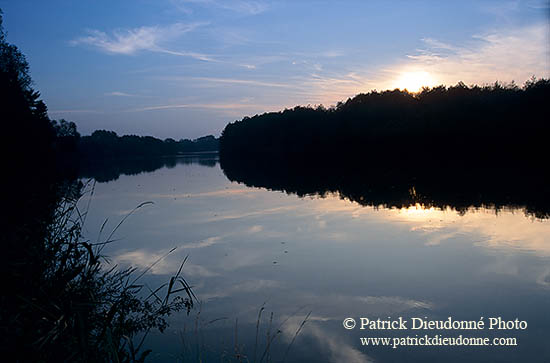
185, 68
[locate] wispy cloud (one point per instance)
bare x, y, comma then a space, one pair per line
247, 82
203, 81
438, 45
146, 38
199, 56
241, 106
120, 94
246, 7
328, 88
73, 111
505, 55
212, 106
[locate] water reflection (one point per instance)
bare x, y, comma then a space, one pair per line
336, 256
111, 169
398, 186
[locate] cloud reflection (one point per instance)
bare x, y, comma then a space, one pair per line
505, 230
157, 265
333, 346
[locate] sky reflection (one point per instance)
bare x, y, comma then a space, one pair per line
250, 246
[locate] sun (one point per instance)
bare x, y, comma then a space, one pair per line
413, 81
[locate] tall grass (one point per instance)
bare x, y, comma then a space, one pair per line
232, 341
80, 310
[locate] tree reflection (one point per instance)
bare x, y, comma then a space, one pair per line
105, 170
398, 186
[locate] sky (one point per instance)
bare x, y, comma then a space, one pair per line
186, 68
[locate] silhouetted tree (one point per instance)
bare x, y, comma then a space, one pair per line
102, 145
457, 125
27, 130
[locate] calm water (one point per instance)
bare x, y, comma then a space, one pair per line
251, 248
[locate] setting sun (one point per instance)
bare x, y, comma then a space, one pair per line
414, 81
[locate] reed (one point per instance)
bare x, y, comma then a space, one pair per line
237, 344
78, 308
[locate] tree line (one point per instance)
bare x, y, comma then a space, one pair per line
102, 144
460, 124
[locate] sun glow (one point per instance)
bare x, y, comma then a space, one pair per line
413, 81
419, 211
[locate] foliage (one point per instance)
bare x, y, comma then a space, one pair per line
24, 114
71, 308
443, 124
104, 144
